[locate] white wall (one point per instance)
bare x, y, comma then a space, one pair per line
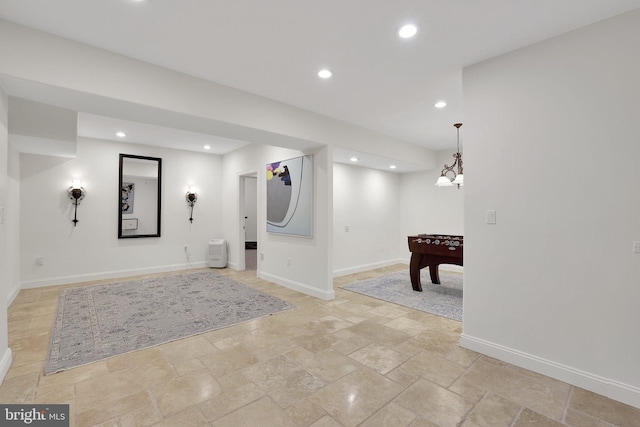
367, 201
6, 238
12, 219
552, 145
310, 258
427, 209
92, 250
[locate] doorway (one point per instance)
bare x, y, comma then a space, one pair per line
248, 221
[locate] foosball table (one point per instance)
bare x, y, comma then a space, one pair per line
431, 250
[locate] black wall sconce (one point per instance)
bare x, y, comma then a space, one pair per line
192, 198
76, 193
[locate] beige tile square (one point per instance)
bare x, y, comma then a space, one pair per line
230, 400
179, 393
544, 395
188, 348
380, 334
19, 389
348, 342
529, 418
326, 421
463, 357
224, 362
356, 397
408, 326
190, 417
284, 381
379, 358
403, 376
263, 413
329, 365
391, 415
305, 412
604, 408
137, 408
35, 367
492, 411
315, 343
124, 382
434, 403
434, 368
576, 418
439, 341
388, 310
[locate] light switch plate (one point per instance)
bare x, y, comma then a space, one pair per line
636, 247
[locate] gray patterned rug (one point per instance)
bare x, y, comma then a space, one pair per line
96, 322
444, 299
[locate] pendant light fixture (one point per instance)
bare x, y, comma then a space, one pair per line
449, 177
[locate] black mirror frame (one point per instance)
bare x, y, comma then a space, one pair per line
132, 156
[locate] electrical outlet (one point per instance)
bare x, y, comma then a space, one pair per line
39, 261
261, 256
288, 262
346, 228
636, 247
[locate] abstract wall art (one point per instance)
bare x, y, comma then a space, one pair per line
127, 197
290, 196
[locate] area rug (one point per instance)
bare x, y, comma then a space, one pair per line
443, 300
96, 322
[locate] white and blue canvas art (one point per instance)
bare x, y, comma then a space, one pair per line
290, 196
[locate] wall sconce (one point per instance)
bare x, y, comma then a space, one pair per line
76, 193
192, 198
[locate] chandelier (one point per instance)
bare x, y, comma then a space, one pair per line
448, 176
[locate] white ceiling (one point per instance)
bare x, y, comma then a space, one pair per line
274, 48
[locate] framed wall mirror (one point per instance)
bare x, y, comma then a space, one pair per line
139, 200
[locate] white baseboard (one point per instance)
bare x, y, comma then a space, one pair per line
612, 389
373, 266
5, 363
12, 295
64, 280
367, 267
297, 286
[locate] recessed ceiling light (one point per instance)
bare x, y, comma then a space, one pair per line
407, 31
392, 167
207, 147
324, 73
121, 134
354, 159
440, 104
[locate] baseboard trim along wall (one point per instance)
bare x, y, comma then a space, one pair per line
12, 295
606, 387
297, 286
5, 363
118, 274
367, 267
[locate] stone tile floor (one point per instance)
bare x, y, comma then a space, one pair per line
347, 362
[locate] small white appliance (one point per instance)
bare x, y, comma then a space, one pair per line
217, 255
